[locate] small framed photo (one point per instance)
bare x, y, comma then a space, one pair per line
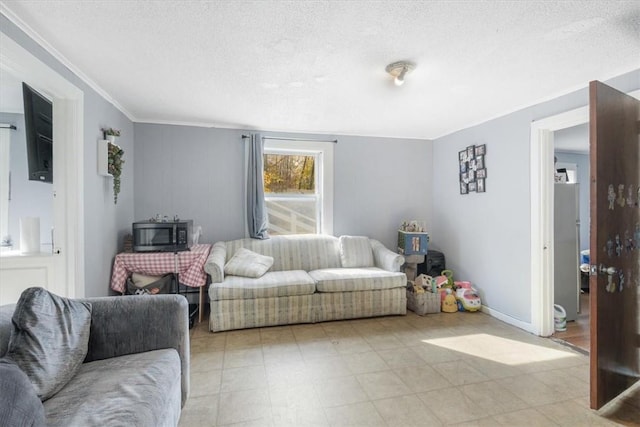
464, 177
470, 152
463, 188
481, 173
480, 186
481, 150
472, 186
463, 167
472, 176
462, 156
479, 162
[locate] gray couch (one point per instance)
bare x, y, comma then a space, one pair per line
313, 278
136, 371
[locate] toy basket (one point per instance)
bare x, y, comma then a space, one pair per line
424, 303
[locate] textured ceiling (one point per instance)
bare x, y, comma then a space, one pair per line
318, 66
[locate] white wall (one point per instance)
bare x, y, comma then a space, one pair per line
486, 237
197, 173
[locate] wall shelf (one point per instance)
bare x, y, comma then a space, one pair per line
103, 157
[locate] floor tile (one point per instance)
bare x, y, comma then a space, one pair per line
339, 391
569, 413
199, 411
292, 374
532, 391
351, 344
401, 357
276, 354
243, 338
206, 361
243, 357
381, 385
459, 372
243, 406
327, 367
524, 418
316, 349
247, 378
493, 397
359, 414
296, 406
422, 378
359, 363
406, 411
451, 406
205, 383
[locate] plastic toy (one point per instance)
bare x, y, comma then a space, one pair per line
467, 297
449, 304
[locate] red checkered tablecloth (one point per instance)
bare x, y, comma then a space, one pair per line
190, 266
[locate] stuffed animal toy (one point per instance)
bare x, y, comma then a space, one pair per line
449, 305
417, 288
426, 282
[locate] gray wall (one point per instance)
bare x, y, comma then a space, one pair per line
486, 237
104, 222
582, 160
28, 198
198, 174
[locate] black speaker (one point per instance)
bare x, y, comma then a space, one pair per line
434, 263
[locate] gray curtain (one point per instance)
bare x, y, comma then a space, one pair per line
257, 219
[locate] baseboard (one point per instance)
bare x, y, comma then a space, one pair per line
508, 319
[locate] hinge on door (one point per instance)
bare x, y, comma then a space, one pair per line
593, 270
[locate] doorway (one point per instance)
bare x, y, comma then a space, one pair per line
65, 266
542, 181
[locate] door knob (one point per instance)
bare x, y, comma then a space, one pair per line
608, 270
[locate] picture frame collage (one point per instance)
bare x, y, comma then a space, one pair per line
472, 168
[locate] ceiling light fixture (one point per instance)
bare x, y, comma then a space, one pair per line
399, 70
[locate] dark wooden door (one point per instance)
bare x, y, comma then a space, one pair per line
615, 241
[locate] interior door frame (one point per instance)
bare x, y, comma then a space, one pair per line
541, 183
68, 187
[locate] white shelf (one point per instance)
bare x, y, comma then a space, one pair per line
103, 157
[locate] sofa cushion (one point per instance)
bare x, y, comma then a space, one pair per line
6, 327
355, 251
141, 389
50, 338
357, 279
272, 284
20, 406
247, 263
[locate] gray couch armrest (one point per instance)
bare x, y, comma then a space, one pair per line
215, 263
138, 323
385, 258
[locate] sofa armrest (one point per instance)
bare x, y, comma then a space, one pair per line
123, 325
385, 258
215, 263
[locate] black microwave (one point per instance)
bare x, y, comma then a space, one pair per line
170, 236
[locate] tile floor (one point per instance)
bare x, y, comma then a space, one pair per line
465, 369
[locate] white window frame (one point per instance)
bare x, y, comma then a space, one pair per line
323, 152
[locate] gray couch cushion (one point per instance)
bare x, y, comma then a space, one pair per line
6, 327
50, 338
357, 279
272, 284
19, 403
141, 389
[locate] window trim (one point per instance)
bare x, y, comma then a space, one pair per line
324, 171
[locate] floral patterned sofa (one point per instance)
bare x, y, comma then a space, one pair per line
302, 279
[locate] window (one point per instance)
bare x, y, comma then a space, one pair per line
298, 186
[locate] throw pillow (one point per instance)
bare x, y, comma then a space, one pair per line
355, 251
50, 339
19, 404
247, 263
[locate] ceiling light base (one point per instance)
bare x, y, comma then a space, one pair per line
399, 70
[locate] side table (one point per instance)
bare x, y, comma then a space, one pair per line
188, 265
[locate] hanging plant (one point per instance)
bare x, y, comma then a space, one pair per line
115, 168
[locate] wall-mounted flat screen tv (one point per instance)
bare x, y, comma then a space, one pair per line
38, 122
